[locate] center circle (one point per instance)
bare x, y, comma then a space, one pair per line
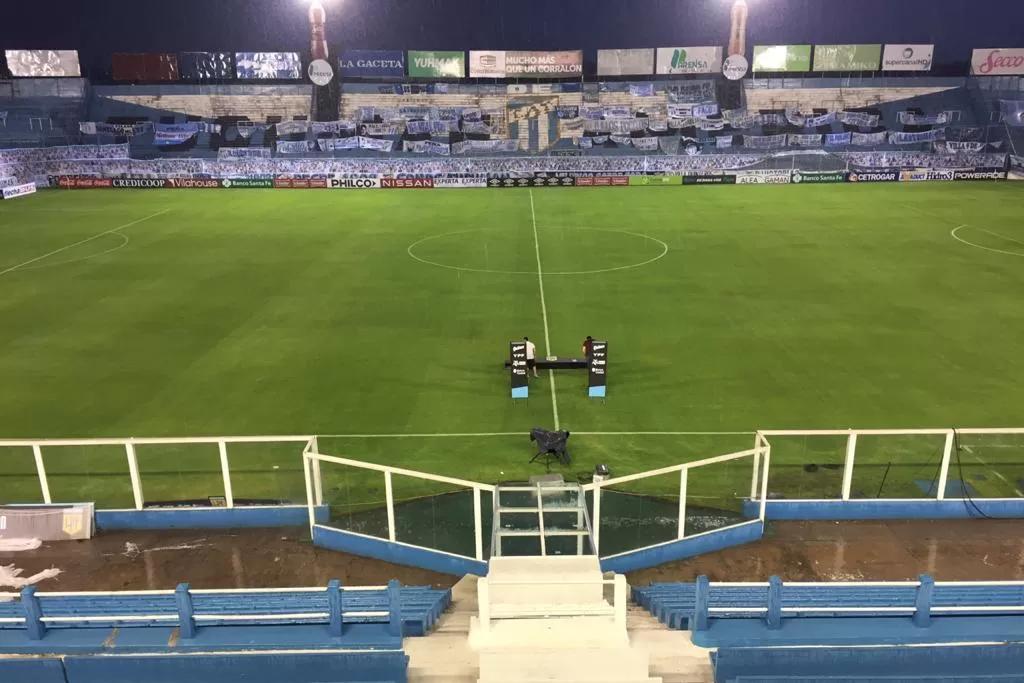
494, 251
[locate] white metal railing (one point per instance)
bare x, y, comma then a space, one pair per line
523, 609
953, 444
39, 448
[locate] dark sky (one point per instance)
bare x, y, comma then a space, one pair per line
101, 27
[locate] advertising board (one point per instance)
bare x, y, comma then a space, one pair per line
434, 64
139, 183
603, 181
206, 66
371, 63
639, 62
80, 182
268, 66
478, 181
709, 179
353, 183
487, 64
781, 58
18, 190
193, 183
406, 183
908, 57
847, 57
763, 178
535, 64
145, 67
998, 62
246, 183
873, 176
979, 174
689, 60
800, 177
654, 180
300, 183
43, 63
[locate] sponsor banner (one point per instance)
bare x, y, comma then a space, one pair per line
320, 72
18, 190
300, 183
432, 64
246, 183
800, 177
639, 62
914, 176
908, 57
780, 58
833, 139
847, 57
979, 174
144, 67
537, 181
765, 178
559, 64
78, 183
406, 183
689, 60
487, 64
139, 183
603, 181
709, 179
193, 183
354, 183
998, 62
371, 64
597, 369
735, 67
873, 176
519, 372
654, 180
478, 181
281, 66
43, 63
207, 66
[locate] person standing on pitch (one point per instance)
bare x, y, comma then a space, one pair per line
531, 356
588, 346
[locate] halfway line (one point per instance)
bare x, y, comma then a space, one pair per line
80, 242
544, 313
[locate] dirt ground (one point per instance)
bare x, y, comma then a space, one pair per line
263, 558
951, 550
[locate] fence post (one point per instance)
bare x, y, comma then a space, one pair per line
334, 608
754, 480
186, 618
478, 524
395, 607
44, 485
683, 478
389, 502
596, 530
701, 605
851, 455
923, 601
225, 470
33, 613
774, 602
947, 452
133, 472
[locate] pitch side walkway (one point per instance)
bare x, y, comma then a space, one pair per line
960, 550
797, 551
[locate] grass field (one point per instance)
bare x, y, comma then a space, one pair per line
153, 313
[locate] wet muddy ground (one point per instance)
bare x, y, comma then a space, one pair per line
797, 551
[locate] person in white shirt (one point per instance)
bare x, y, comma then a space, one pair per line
531, 356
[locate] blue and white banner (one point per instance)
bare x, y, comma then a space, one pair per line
805, 140
765, 141
805, 121
669, 144
118, 129
618, 113
330, 144
568, 112
723, 141
243, 153
333, 127
857, 118
711, 124
1013, 112
965, 146
593, 113
165, 134
911, 119
900, 138
740, 118
624, 126
865, 139
291, 127
476, 127
472, 114
600, 139
376, 145
704, 110
380, 129
371, 63
586, 143
439, 148
418, 127
693, 91
621, 140
835, 139
493, 145
649, 144
658, 125
285, 147
641, 89
772, 119
571, 125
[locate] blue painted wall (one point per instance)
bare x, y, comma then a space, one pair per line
31, 671
251, 668
688, 547
396, 553
208, 518
887, 509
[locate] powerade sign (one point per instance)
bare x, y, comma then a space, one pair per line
372, 63
801, 177
874, 176
979, 174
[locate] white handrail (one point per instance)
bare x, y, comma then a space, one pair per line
401, 471
149, 440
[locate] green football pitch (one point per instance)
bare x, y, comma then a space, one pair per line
187, 313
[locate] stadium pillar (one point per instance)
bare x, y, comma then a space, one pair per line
186, 612
335, 607
33, 613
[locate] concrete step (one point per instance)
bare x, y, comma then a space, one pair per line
597, 665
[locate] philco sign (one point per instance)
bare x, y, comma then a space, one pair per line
998, 62
354, 183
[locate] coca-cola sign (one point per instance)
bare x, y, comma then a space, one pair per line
998, 62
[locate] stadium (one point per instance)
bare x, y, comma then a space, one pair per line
571, 406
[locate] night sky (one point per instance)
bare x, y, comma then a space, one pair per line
99, 28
